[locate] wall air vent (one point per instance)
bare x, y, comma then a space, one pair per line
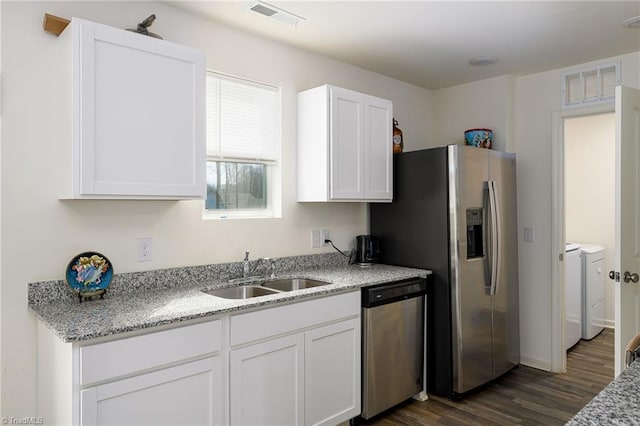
590, 86
274, 12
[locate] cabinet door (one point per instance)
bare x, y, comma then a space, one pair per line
332, 373
347, 144
187, 394
140, 116
266, 382
378, 152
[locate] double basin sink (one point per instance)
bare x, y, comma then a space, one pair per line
266, 288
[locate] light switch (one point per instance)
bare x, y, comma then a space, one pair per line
529, 234
316, 235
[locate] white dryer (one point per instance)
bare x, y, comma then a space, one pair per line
573, 295
593, 290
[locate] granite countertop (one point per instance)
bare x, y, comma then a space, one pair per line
617, 404
131, 311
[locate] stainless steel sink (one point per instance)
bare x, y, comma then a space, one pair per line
290, 284
241, 292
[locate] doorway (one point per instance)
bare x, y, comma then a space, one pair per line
583, 206
589, 169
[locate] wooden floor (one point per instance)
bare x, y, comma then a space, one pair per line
524, 396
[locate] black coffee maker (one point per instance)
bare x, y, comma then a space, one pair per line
367, 250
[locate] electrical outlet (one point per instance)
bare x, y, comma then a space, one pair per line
145, 249
315, 239
324, 236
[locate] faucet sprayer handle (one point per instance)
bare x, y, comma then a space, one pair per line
272, 268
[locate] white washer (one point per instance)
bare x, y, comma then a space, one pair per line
573, 295
593, 290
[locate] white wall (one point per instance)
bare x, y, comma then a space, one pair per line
481, 104
40, 234
536, 98
590, 153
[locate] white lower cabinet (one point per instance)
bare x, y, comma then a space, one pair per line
292, 364
266, 383
186, 394
296, 364
332, 373
170, 377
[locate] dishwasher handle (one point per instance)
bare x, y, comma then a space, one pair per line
383, 294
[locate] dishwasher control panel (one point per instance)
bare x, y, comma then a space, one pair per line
390, 292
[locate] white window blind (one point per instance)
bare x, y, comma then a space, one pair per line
242, 119
591, 85
610, 79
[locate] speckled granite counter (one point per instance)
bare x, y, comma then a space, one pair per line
617, 404
143, 300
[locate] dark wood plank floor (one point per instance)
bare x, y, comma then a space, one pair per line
524, 396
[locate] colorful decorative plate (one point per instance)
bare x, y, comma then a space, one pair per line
89, 272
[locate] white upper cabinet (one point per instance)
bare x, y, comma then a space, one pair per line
134, 115
344, 146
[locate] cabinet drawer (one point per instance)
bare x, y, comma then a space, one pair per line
108, 360
289, 318
185, 394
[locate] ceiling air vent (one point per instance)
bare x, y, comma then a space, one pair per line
266, 11
274, 12
589, 86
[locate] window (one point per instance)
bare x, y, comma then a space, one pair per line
590, 86
243, 141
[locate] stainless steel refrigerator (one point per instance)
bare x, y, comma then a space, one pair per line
454, 212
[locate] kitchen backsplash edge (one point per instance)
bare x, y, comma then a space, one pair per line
52, 291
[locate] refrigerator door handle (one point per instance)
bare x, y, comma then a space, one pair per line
496, 233
487, 237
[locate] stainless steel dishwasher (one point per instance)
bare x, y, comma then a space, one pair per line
392, 344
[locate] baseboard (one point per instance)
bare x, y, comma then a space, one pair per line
607, 323
545, 365
540, 364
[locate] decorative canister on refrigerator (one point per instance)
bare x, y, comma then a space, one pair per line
480, 138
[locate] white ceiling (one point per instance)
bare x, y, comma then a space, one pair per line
429, 43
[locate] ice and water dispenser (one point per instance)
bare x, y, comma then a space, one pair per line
475, 234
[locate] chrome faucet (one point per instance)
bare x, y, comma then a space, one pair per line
245, 265
272, 269
247, 271
269, 268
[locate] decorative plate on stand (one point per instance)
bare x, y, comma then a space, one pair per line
89, 274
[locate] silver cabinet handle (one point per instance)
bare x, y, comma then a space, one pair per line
629, 277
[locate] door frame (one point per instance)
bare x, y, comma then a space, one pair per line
558, 236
